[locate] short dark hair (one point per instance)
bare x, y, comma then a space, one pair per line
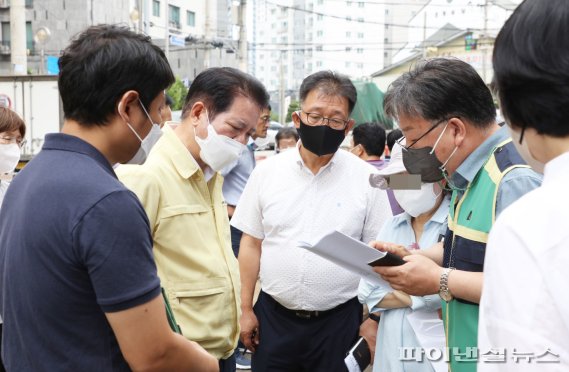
101, 64
331, 83
286, 132
169, 100
11, 121
371, 136
217, 88
531, 67
393, 136
439, 89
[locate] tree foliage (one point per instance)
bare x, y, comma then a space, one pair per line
178, 92
294, 106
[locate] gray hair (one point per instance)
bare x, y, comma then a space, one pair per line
439, 89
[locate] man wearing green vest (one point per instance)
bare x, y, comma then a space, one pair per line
447, 115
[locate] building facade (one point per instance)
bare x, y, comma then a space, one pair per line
201, 33
291, 39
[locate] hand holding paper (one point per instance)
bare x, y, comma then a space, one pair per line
352, 255
392, 248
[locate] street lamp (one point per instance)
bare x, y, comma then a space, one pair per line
41, 37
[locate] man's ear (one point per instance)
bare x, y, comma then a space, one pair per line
358, 150
126, 105
458, 128
349, 127
296, 119
198, 109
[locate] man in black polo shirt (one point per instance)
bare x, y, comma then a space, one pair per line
79, 288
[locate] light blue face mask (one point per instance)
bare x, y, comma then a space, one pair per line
148, 142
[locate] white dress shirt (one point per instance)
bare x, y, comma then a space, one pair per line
284, 203
525, 301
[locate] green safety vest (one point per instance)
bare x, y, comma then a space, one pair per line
469, 223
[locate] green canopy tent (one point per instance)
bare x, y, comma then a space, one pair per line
369, 107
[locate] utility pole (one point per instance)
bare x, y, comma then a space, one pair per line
166, 30
484, 40
283, 109
424, 34
18, 37
243, 36
141, 11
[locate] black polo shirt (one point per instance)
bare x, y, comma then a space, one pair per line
74, 244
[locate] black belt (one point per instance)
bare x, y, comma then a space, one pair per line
307, 314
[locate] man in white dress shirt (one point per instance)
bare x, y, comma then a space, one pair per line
307, 316
524, 310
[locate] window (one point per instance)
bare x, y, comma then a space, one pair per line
156, 8
274, 68
360, 4
320, 2
190, 18
285, 24
6, 35
360, 65
348, 49
273, 11
348, 64
29, 37
360, 35
319, 33
386, 41
174, 16
360, 19
386, 11
318, 48
319, 64
385, 54
348, 18
386, 26
348, 3
320, 17
348, 34
360, 50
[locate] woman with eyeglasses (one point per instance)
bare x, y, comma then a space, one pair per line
12, 132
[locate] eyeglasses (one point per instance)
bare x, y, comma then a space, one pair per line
400, 140
317, 119
8, 140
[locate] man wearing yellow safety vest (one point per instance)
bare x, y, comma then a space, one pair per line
447, 115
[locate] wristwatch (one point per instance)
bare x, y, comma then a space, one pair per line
444, 292
374, 317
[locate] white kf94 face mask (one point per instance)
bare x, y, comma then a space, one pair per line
148, 142
9, 157
417, 202
216, 150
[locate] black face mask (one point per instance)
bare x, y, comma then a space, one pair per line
423, 162
320, 139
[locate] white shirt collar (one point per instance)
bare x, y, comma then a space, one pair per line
556, 167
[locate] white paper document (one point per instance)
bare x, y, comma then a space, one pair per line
349, 253
430, 333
